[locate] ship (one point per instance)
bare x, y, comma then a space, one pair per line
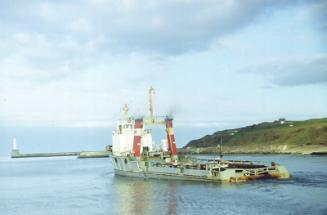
134, 154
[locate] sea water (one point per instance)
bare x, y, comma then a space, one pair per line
68, 185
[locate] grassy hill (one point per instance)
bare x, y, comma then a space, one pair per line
281, 136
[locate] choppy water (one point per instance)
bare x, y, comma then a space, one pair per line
89, 186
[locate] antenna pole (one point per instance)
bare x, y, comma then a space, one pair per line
220, 148
125, 110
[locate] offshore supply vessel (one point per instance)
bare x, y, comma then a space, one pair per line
133, 154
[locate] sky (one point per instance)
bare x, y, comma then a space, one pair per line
214, 63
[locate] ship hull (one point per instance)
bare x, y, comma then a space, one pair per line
150, 169
150, 175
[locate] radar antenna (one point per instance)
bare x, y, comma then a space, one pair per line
125, 110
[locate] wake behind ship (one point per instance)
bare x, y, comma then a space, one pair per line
134, 154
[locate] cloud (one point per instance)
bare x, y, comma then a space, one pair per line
319, 10
163, 26
294, 72
76, 62
46, 41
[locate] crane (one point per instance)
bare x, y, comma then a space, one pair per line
152, 119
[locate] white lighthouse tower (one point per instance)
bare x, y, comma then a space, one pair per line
14, 144
14, 151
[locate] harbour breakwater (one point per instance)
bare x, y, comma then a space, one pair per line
84, 154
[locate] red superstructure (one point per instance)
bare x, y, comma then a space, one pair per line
171, 137
138, 127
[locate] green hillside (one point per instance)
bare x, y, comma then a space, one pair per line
281, 136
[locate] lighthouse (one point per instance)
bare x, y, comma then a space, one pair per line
14, 144
14, 151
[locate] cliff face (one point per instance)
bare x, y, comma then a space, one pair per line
280, 136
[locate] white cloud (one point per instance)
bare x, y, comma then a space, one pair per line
74, 63
158, 26
294, 71
80, 25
